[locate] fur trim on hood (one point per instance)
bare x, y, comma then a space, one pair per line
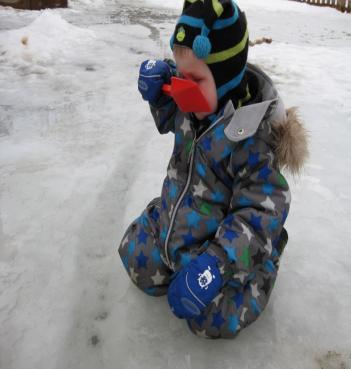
290, 142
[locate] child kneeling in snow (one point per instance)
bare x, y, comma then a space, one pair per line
213, 240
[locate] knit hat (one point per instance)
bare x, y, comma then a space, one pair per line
216, 31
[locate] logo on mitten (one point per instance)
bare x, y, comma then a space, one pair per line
205, 278
150, 64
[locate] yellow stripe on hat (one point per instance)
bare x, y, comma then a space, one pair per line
229, 53
218, 8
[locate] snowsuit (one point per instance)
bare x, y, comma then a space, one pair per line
225, 194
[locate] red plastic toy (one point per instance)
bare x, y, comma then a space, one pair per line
187, 95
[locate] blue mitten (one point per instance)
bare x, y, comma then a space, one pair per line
152, 75
194, 287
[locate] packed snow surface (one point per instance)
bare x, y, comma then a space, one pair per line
80, 158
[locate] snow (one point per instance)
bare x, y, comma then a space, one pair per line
80, 158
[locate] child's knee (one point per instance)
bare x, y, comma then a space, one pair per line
136, 250
142, 260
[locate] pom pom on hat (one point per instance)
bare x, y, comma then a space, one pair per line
201, 46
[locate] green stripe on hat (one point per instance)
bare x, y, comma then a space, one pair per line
218, 8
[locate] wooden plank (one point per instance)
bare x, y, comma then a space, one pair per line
341, 5
34, 4
17, 4
43, 4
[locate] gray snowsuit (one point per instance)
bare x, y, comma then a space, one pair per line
223, 193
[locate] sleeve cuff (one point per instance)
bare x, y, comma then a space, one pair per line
223, 263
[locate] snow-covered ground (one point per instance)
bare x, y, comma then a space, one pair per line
80, 158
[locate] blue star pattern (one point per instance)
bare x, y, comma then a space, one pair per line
238, 299
264, 173
217, 320
185, 259
256, 309
231, 253
142, 236
267, 189
155, 215
200, 319
187, 201
174, 251
255, 222
273, 224
269, 266
212, 225
164, 204
150, 291
217, 196
216, 165
233, 323
219, 132
189, 239
201, 169
274, 252
206, 143
131, 247
163, 233
125, 262
173, 191
248, 142
156, 256
230, 235
229, 219
244, 201
226, 151
253, 159
143, 220
178, 138
193, 219
142, 260
235, 284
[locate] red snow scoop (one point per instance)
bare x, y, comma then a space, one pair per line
187, 95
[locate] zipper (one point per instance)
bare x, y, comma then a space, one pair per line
185, 189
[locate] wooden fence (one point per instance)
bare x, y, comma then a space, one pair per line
34, 4
342, 5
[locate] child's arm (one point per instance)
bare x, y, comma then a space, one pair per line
164, 113
247, 238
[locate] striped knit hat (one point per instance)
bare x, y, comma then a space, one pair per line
216, 31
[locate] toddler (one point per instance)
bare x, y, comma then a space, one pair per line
213, 240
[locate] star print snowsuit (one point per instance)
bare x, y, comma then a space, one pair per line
225, 194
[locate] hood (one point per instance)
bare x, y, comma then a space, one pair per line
287, 134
